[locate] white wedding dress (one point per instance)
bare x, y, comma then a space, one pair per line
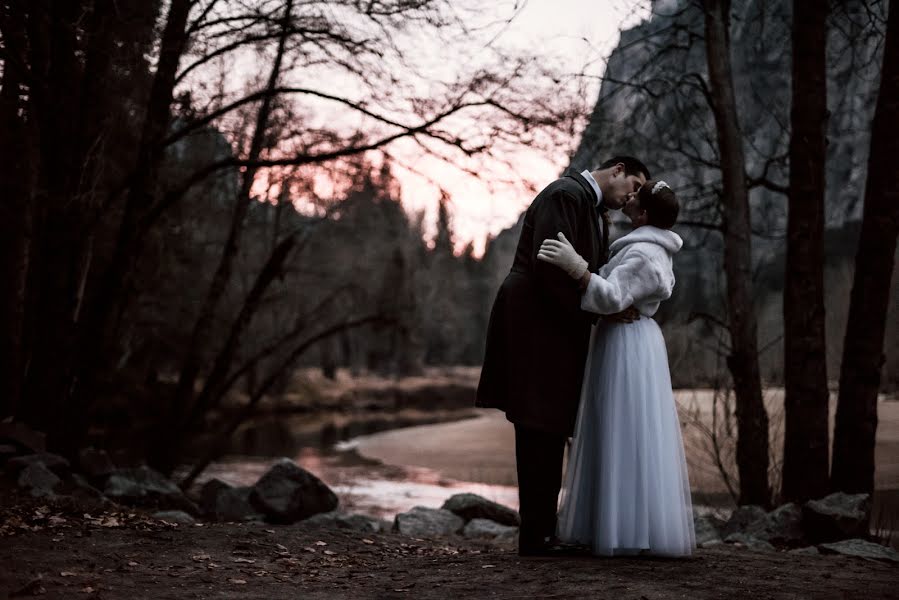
626, 489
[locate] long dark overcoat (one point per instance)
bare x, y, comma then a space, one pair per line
537, 337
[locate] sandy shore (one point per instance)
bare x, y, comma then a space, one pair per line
482, 449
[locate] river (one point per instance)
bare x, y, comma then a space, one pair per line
391, 471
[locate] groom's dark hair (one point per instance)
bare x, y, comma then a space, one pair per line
632, 166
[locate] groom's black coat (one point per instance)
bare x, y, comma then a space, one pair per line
538, 335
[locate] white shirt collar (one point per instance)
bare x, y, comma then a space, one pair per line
589, 177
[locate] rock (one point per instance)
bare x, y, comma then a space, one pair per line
38, 479
23, 438
424, 522
143, 486
811, 550
749, 542
54, 462
174, 516
836, 517
288, 493
346, 521
861, 548
81, 489
487, 529
225, 502
708, 531
784, 524
741, 519
7, 451
96, 464
472, 506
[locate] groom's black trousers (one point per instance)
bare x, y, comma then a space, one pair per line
538, 458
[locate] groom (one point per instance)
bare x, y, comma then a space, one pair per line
538, 336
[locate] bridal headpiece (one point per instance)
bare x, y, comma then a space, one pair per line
658, 186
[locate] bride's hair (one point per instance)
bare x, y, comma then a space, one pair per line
660, 204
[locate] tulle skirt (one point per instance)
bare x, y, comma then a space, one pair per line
626, 489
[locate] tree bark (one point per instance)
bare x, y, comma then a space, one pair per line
184, 397
95, 328
805, 466
856, 419
57, 258
752, 420
17, 181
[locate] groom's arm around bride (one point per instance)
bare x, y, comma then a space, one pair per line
537, 336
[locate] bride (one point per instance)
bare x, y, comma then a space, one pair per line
626, 489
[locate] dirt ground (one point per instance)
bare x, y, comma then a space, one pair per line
54, 551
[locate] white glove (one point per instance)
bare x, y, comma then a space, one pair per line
562, 254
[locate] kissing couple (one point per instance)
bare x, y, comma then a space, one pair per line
573, 351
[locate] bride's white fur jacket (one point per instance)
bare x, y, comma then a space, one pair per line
639, 273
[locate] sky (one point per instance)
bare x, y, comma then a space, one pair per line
571, 36
575, 32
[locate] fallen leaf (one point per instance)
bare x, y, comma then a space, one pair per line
132, 563
330, 552
87, 590
367, 541
243, 560
68, 574
199, 557
238, 581
269, 530
321, 543
487, 566
308, 549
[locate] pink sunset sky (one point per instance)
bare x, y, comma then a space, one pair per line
569, 37
581, 33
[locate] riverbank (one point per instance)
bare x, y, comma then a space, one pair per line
317, 412
482, 450
55, 553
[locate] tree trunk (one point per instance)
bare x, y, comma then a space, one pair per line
752, 420
805, 466
856, 419
95, 328
184, 403
17, 181
57, 258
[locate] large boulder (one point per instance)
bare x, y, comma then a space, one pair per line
174, 516
749, 542
81, 489
741, 518
472, 506
225, 502
424, 522
708, 531
38, 480
54, 462
95, 464
142, 486
862, 549
836, 517
340, 520
288, 493
782, 525
25, 439
487, 529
